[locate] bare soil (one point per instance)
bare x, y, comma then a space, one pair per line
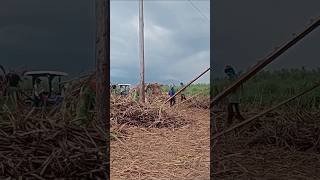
162, 153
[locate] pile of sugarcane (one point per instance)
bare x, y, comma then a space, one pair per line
46, 144
45, 148
201, 102
124, 110
296, 130
287, 139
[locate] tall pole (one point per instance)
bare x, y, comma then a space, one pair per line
141, 53
102, 73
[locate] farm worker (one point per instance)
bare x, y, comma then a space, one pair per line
149, 92
13, 81
114, 89
233, 98
86, 101
135, 95
37, 91
171, 93
121, 90
183, 96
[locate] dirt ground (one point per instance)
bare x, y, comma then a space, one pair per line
161, 153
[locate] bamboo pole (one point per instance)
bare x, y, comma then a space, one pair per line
267, 60
264, 112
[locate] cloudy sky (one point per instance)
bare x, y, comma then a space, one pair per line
247, 30
59, 35
177, 40
47, 34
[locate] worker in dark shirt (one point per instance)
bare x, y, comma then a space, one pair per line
13, 81
171, 93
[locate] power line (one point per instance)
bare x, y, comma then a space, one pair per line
199, 10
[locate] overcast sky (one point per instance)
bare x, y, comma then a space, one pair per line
59, 35
177, 40
47, 35
247, 30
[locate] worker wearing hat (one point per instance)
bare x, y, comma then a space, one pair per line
233, 98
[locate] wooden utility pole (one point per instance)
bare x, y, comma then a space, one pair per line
141, 52
102, 73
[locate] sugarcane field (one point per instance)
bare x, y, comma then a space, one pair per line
264, 126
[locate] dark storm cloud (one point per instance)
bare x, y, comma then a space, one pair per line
47, 34
59, 35
247, 30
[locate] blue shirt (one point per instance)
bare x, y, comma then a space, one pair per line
171, 92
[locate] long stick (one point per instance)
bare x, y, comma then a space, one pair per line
264, 112
261, 64
187, 85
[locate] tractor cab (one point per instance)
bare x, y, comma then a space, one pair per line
52, 80
124, 89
